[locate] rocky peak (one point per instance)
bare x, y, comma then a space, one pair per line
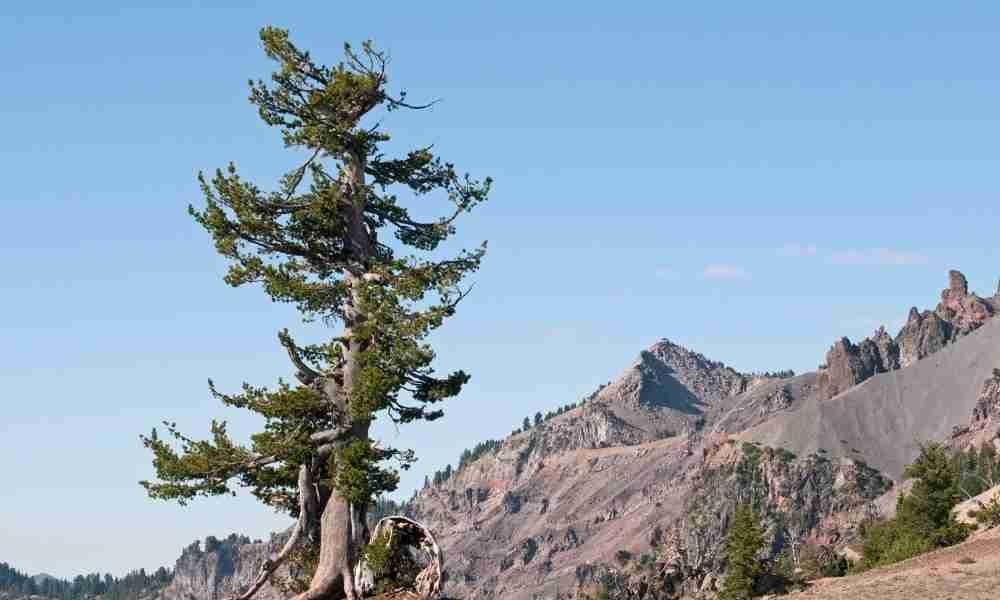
966, 312
669, 390
708, 379
958, 285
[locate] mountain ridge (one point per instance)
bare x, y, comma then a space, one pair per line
652, 463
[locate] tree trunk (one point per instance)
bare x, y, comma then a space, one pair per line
343, 527
334, 578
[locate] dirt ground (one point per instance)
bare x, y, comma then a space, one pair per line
969, 571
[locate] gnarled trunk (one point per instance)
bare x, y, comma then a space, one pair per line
334, 577
343, 528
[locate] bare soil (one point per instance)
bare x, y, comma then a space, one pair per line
968, 571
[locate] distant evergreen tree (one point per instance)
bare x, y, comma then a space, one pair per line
135, 585
526, 425
538, 419
744, 543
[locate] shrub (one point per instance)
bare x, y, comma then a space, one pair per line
623, 556
821, 561
888, 542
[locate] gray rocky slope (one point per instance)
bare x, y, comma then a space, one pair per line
654, 463
884, 418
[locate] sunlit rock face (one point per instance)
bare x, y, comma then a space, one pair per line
222, 569
959, 313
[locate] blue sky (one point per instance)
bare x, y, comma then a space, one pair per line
749, 180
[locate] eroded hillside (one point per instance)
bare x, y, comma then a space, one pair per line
652, 465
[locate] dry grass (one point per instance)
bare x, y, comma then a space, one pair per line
969, 571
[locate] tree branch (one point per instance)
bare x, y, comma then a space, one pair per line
306, 374
330, 435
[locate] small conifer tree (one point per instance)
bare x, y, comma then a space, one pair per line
743, 546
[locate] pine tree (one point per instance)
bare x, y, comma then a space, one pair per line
335, 240
538, 419
744, 543
926, 510
923, 520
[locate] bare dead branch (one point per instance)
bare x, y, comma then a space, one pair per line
306, 374
307, 508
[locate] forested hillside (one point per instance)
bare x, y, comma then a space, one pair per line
137, 584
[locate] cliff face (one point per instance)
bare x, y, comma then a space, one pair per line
984, 426
221, 569
848, 365
802, 501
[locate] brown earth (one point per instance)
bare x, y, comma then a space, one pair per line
968, 571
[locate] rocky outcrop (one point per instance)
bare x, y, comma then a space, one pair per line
966, 312
888, 349
984, 426
222, 569
987, 411
959, 313
848, 365
924, 334
800, 500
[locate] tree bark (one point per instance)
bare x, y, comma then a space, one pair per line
342, 526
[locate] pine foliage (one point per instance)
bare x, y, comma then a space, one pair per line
338, 239
743, 547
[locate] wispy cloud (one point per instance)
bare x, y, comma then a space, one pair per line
797, 250
876, 257
725, 272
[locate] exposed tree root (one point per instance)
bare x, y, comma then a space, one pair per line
428, 582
